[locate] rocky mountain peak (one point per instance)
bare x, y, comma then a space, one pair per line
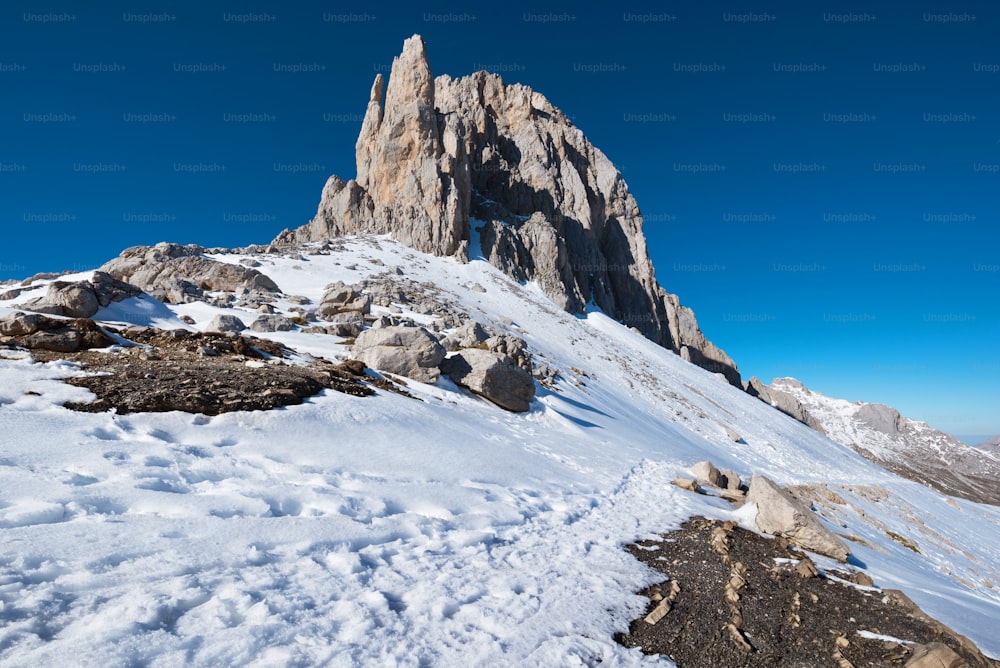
445, 161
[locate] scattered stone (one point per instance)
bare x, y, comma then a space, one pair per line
658, 613
736, 496
806, 568
686, 483
82, 299
732, 480
743, 604
342, 298
733, 436
37, 332
469, 335
513, 347
347, 324
781, 514
251, 298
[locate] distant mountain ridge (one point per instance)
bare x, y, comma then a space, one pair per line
991, 445
445, 165
907, 447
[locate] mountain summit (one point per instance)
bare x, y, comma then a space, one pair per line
472, 165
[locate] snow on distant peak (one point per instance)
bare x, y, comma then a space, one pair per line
911, 448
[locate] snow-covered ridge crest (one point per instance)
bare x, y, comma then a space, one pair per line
908, 447
433, 155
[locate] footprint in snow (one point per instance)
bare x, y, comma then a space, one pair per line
157, 462
102, 434
80, 479
163, 485
161, 435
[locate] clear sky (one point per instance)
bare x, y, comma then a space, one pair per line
819, 181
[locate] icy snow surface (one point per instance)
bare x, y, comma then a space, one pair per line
386, 531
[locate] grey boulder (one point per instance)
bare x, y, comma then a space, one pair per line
342, 298
494, 376
412, 352
781, 514
226, 322
272, 323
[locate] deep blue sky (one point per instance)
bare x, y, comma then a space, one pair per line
819, 182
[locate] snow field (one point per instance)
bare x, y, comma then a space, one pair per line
388, 531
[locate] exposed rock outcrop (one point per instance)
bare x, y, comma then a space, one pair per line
443, 162
82, 299
783, 401
880, 417
38, 332
178, 274
206, 373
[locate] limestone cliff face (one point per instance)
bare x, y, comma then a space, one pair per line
412, 177
440, 160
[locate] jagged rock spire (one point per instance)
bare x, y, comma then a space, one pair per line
435, 154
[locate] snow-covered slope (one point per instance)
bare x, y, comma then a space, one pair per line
908, 447
385, 530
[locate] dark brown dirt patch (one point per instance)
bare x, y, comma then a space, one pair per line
734, 605
204, 373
